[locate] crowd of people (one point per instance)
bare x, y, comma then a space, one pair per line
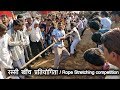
22, 38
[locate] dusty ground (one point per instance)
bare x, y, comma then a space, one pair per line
71, 63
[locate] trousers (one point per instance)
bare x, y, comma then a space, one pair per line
61, 53
73, 45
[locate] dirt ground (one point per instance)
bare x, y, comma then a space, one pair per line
77, 63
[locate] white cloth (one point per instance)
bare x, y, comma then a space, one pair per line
76, 40
85, 21
75, 34
1, 76
17, 50
106, 23
5, 60
35, 33
73, 45
112, 67
25, 36
80, 26
68, 26
58, 34
19, 63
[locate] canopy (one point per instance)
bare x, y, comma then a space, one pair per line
44, 12
8, 13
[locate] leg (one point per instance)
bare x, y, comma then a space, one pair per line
69, 43
58, 52
73, 46
29, 52
17, 64
65, 54
34, 48
26, 54
83, 31
39, 45
22, 60
3, 72
1, 75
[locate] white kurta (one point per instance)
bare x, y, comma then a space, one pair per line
5, 60
76, 40
17, 49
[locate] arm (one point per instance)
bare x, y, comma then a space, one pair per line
53, 38
12, 43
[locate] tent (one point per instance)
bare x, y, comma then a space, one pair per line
44, 12
8, 13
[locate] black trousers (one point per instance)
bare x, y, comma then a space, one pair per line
69, 41
36, 48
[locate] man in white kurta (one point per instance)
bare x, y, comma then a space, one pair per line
76, 38
5, 60
16, 49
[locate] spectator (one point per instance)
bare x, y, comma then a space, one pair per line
111, 45
105, 21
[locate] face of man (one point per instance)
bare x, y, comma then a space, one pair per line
36, 25
18, 27
60, 26
48, 23
29, 20
4, 20
110, 57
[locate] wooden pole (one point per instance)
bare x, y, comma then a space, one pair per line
37, 56
40, 53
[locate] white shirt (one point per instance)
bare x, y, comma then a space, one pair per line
36, 35
5, 60
80, 25
58, 34
1, 76
106, 22
25, 36
85, 21
112, 67
68, 26
75, 34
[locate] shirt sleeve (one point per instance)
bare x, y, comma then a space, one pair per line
54, 32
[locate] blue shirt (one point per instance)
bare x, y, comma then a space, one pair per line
58, 34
